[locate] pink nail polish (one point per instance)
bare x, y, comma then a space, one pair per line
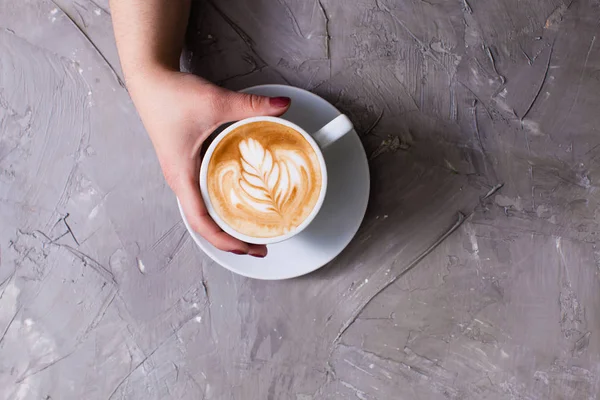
280, 102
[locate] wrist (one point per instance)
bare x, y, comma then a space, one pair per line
142, 74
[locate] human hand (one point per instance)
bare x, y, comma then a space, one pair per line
180, 111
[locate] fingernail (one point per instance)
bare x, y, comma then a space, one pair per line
280, 102
238, 252
258, 255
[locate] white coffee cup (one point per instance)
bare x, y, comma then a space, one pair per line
319, 140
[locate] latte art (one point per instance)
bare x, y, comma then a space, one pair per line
267, 184
264, 179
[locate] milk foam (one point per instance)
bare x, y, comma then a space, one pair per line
267, 182
265, 185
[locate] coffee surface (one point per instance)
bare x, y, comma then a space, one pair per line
264, 179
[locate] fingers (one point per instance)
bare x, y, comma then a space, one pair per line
240, 105
188, 192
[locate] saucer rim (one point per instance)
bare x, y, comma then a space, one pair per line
208, 249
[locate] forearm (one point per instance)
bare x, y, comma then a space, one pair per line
149, 35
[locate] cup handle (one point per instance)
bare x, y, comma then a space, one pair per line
334, 130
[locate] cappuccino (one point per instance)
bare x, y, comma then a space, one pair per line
264, 179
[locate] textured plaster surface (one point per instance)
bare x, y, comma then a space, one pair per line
103, 294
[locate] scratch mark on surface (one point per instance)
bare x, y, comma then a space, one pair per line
460, 220
493, 62
293, 18
532, 187
529, 61
478, 99
453, 108
165, 235
146, 358
403, 86
178, 247
541, 85
581, 344
10, 323
327, 34
89, 261
205, 288
241, 75
99, 7
244, 36
64, 219
195, 382
101, 313
76, 8
87, 38
486, 156
492, 191
424, 48
43, 368
477, 133
587, 58
374, 124
8, 278
467, 8
527, 140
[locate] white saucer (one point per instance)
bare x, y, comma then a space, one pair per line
341, 214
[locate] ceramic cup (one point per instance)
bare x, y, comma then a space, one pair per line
319, 141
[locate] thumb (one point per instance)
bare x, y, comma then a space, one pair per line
241, 105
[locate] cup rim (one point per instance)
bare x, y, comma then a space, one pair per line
204, 187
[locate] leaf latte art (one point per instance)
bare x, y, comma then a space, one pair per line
264, 179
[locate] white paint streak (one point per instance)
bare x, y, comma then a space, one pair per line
357, 367
359, 393
141, 266
559, 250
541, 376
33, 346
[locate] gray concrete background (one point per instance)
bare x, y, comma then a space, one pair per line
451, 98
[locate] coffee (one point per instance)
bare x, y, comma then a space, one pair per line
264, 179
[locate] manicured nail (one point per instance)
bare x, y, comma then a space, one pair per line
280, 102
238, 252
257, 255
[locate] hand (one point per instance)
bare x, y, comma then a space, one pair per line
179, 112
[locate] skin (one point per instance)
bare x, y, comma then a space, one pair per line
179, 110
